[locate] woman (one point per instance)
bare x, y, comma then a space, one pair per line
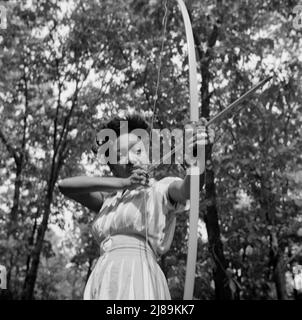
135, 221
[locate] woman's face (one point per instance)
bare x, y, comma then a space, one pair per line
129, 146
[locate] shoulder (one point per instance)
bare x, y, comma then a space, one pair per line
167, 181
177, 206
164, 184
161, 190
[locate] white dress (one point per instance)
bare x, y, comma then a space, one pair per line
133, 229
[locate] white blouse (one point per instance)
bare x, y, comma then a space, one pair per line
145, 211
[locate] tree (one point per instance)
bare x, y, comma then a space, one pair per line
64, 69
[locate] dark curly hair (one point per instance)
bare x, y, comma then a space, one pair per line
134, 120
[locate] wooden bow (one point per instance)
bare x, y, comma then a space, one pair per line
194, 171
194, 117
194, 180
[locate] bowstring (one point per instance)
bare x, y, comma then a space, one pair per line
164, 22
163, 39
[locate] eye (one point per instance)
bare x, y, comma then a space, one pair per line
138, 151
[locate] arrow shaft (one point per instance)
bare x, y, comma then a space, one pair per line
215, 119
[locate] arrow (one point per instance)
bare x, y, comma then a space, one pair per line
215, 119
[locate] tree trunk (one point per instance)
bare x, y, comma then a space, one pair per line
30, 279
31, 276
222, 288
12, 224
279, 279
221, 280
277, 264
16, 200
31, 242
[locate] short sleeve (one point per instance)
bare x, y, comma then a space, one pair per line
162, 189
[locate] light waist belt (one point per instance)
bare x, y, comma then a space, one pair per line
123, 241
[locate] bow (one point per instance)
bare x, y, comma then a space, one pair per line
194, 179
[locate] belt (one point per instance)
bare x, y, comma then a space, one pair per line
119, 241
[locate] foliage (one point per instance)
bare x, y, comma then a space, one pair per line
67, 65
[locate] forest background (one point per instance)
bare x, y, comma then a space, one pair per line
68, 65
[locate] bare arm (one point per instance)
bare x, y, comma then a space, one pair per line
87, 190
179, 191
83, 184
